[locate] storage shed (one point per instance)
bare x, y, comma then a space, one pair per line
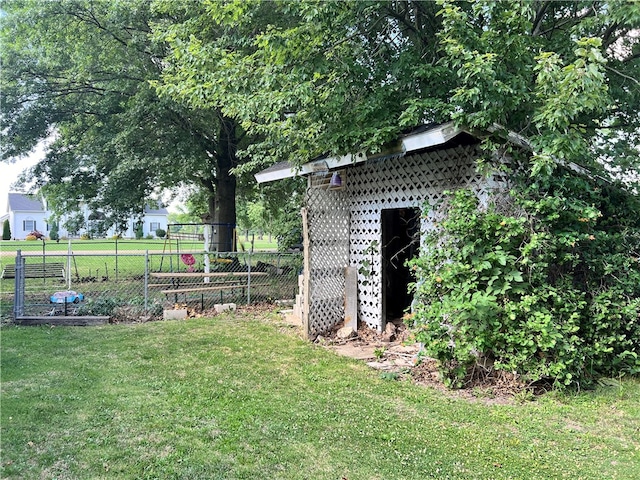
363, 218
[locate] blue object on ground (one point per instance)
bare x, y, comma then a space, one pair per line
68, 296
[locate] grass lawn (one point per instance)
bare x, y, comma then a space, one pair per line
109, 245
94, 257
240, 397
82, 245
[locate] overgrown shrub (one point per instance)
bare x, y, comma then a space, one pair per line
104, 305
120, 309
546, 285
161, 233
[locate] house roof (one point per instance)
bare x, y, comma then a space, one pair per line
424, 137
24, 203
155, 211
28, 203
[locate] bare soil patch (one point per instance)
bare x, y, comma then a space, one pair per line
397, 356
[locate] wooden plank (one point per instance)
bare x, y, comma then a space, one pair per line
202, 289
36, 270
306, 273
177, 285
203, 274
79, 321
351, 298
211, 289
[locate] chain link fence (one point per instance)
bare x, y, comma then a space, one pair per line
140, 286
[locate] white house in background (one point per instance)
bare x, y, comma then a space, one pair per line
27, 213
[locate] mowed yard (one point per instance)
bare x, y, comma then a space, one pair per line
8, 248
241, 396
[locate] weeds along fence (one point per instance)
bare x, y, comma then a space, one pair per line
135, 286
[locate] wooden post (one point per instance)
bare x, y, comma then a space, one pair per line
306, 273
18, 302
351, 297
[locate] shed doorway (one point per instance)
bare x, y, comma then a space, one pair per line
400, 242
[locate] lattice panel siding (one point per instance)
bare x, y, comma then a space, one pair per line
328, 219
344, 224
400, 183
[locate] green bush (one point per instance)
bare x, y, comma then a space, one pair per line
120, 309
6, 230
161, 233
546, 286
104, 305
53, 234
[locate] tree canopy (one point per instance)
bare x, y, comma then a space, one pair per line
82, 71
338, 77
142, 96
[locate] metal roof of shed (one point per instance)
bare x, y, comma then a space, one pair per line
420, 139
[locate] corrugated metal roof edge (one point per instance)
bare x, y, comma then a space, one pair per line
419, 139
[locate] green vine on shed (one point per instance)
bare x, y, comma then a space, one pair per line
547, 288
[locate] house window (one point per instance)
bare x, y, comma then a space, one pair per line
28, 225
153, 226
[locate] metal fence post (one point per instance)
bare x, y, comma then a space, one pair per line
44, 253
146, 281
18, 301
69, 266
116, 259
249, 280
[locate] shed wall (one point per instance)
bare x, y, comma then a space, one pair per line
345, 225
328, 250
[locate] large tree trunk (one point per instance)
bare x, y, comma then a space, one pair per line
225, 200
